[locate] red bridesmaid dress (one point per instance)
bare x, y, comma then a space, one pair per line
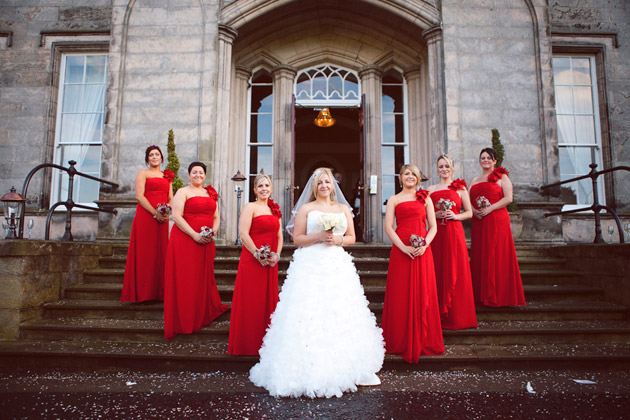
496, 277
191, 297
255, 290
144, 269
411, 318
452, 269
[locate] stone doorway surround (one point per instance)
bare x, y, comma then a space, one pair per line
284, 37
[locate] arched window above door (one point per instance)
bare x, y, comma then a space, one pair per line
327, 86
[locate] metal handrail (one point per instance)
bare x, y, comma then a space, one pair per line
69, 203
596, 207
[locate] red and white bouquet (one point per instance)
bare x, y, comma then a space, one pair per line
207, 232
263, 253
164, 209
417, 241
483, 202
445, 205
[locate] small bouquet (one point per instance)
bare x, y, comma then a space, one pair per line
263, 253
206, 232
483, 202
445, 205
328, 221
417, 241
163, 209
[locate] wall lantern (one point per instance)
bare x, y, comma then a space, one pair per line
13, 204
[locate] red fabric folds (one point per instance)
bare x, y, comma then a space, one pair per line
411, 319
255, 291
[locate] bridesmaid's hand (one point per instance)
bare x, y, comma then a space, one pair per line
409, 251
201, 240
420, 250
440, 214
485, 211
449, 215
160, 218
477, 214
273, 260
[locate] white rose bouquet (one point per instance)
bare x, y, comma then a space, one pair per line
328, 221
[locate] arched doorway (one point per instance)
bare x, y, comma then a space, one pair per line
370, 39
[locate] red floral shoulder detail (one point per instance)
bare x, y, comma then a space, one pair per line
169, 175
497, 174
275, 208
421, 195
212, 192
458, 184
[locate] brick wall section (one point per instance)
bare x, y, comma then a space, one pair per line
36, 272
25, 80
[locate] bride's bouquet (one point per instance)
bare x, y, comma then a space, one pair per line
417, 241
328, 221
207, 232
263, 253
483, 202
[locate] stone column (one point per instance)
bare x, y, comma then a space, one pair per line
237, 147
437, 115
419, 144
283, 80
371, 81
218, 174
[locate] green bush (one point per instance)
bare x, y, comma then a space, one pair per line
500, 151
173, 161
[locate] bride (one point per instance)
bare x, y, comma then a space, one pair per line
323, 339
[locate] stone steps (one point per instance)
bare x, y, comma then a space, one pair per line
533, 293
493, 332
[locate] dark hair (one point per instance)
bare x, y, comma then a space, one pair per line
192, 165
149, 149
490, 151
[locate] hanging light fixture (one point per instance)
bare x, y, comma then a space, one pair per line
324, 119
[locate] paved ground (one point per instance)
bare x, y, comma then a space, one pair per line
462, 394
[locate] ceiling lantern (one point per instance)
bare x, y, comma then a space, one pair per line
324, 119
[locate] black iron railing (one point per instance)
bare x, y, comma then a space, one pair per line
595, 207
69, 203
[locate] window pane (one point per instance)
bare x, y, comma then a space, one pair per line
389, 128
95, 69
72, 98
335, 84
74, 69
92, 128
94, 98
562, 70
566, 129
574, 161
387, 160
260, 160
261, 128
70, 128
319, 87
85, 190
262, 98
583, 99
564, 99
392, 99
389, 188
581, 71
584, 129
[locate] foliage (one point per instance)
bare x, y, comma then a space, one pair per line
500, 151
173, 161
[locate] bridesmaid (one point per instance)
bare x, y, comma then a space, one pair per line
191, 298
411, 318
495, 274
450, 252
144, 269
256, 287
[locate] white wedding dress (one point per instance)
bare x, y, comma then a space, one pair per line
323, 339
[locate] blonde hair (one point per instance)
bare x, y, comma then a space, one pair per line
319, 172
259, 178
448, 160
414, 170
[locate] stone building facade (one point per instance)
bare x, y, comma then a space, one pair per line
240, 82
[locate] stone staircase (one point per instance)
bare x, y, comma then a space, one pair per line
567, 321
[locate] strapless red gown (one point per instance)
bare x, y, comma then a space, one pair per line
255, 291
452, 269
496, 277
411, 318
191, 297
144, 269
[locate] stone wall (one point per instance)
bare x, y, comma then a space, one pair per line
26, 91
36, 272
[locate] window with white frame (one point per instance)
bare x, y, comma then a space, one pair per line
79, 124
326, 85
579, 134
260, 141
394, 133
